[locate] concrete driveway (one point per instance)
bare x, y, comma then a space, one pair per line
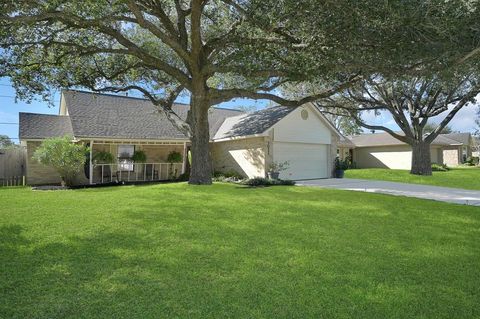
443, 194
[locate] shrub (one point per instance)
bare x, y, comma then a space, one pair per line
471, 161
229, 174
261, 181
278, 166
183, 177
440, 168
65, 157
103, 157
174, 157
139, 157
342, 165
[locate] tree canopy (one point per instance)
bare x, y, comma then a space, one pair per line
219, 50
5, 141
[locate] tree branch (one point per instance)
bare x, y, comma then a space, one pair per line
218, 95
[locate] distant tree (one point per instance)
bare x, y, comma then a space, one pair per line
344, 123
477, 121
431, 127
411, 101
6, 142
66, 157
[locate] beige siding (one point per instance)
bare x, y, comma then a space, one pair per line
244, 156
393, 157
39, 174
332, 153
293, 128
343, 153
436, 155
159, 153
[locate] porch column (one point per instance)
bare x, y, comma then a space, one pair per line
91, 163
184, 164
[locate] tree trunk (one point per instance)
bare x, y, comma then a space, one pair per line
201, 170
421, 159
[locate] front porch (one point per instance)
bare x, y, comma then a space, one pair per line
156, 165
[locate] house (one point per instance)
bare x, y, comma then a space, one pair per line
246, 143
381, 150
467, 142
476, 147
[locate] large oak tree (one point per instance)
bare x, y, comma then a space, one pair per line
218, 50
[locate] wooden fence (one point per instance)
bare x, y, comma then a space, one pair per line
13, 166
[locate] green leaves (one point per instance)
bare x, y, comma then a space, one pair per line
63, 155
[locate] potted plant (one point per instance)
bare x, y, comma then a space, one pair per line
275, 168
174, 157
103, 157
139, 157
340, 167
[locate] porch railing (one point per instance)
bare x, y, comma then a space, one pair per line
135, 172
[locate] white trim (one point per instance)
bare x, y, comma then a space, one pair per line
240, 137
322, 116
185, 158
318, 114
91, 163
138, 142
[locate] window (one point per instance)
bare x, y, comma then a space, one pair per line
125, 153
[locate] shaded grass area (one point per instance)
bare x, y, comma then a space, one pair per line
466, 178
224, 251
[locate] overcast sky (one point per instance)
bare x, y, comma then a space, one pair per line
464, 121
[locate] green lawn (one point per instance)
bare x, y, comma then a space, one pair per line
226, 251
467, 178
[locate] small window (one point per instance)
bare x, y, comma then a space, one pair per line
125, 153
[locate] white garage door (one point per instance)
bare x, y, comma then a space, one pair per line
306, 160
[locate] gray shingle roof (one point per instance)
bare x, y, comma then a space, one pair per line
39, 126
114, 116
251, 123
110, 116
94, 115
385, 139
345, 142
463, 138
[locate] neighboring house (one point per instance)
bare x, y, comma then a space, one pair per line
246, 143
467, 142
381, 150
476, 147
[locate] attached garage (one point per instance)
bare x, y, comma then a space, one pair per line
301, 136
307, 161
